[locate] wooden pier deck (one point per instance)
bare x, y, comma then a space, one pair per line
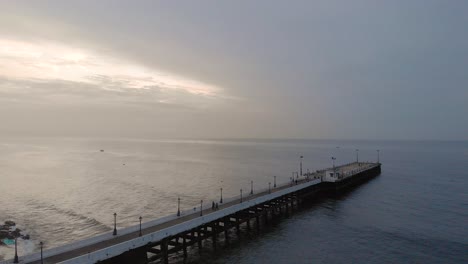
163, 237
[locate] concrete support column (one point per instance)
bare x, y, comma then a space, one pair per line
199, 238
184, 246
237, 224
257, 219
226, 226
214, 230
164, 251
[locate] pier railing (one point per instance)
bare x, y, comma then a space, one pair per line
158, 235
131, 229
116, 250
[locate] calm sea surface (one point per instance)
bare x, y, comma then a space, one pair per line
416, 211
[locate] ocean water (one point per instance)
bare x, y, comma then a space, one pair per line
416, 211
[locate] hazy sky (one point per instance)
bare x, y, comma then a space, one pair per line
256, 69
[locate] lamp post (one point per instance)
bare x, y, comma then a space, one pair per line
274, 181
221, 199
378, 156
201, 207
140, 226
251, 187
16, 260
178, 206
357, 156
41, 244
300, 167
269, 187
115, 224
241, 195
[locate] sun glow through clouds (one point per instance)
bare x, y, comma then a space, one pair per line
23, 60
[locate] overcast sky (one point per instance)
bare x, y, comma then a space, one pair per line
235, 69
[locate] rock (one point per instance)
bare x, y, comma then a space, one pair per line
3, 234
7, 235
16, 233
10, 223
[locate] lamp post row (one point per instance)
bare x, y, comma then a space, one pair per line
357, 157
221, 196
16, 259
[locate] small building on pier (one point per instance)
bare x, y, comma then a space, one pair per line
332, 176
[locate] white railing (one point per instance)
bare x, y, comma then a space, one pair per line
118, 249
156, 236
366, 166
124, 231
96, 239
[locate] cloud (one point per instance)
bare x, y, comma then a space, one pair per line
245, 69
104, 90
52, 61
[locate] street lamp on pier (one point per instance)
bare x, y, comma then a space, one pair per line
201, 207
221, 199
241, 195
300, 166
357, 156
178, 206
16, 260
115, 224
42, 245
274, 181
251, 187
140, 226
378, 156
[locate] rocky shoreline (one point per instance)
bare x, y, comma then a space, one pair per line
9, 231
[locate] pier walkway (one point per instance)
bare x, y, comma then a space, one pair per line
106, 246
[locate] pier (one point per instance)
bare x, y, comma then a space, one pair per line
158, 239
